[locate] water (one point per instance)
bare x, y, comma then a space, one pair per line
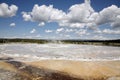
30, 52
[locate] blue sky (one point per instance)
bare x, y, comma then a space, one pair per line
60, 19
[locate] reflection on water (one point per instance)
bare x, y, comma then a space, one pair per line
59, 51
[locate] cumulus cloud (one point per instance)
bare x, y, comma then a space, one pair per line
41, 24
109, 15
59, 30
12, 24
26, 16
82, 32
108, 31
43, 14
79, 13
7, 11
33, 31
69, 30
48, 31
78, 16
116, 22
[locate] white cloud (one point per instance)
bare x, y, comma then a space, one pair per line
78, 16
41, 24
59, 30
79, 13
7, 11
33, 31
72, 25
116, 23
108, 31
69, 30
108, 15
48, 31
26, 16
12, 24
82, 32
43, 14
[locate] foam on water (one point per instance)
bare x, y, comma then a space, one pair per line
32, 52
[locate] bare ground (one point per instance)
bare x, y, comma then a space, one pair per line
59, 70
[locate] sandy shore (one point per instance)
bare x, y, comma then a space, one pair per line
62, 70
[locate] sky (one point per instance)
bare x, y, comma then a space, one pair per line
60, 19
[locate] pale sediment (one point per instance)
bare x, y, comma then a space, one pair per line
60, 70
87, 70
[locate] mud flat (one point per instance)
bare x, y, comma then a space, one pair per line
86, 70
59, 70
